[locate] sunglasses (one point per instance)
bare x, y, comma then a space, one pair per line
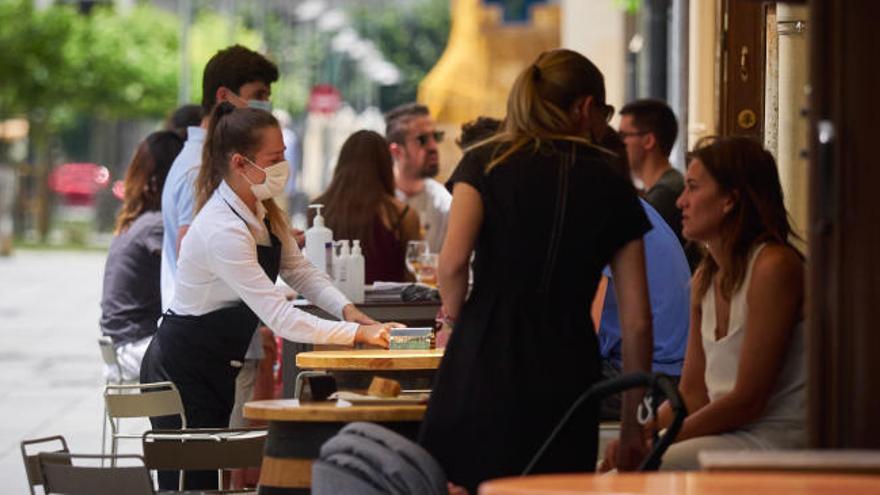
424, 138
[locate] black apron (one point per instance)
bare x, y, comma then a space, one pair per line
202, 355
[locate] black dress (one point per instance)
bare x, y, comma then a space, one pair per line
524, 346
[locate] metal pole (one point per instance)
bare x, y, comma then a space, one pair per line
678, 78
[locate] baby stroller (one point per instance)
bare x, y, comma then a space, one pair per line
368, 459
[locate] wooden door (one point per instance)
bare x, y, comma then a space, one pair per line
843, 309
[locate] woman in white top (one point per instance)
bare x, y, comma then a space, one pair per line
237, 245
743, 375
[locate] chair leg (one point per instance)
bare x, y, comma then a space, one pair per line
104, 420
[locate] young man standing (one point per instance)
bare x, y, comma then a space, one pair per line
413, 140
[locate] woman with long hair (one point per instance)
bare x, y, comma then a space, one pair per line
743, 376
236, 247
131, 302
543, 212
359, 204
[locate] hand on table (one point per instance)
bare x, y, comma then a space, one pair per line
378, 334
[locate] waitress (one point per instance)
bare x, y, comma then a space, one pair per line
236, 247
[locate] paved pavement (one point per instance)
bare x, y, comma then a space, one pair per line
50, 369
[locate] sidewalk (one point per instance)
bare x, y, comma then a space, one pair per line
50, 369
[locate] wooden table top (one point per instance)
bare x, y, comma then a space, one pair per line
696, 483
317, 412
371, 359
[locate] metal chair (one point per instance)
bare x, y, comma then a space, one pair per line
140, 400
202, 449
108, 356
31, 460
62, 473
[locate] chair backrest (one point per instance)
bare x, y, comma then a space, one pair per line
63, 474
32, 461
204, 449
143, 400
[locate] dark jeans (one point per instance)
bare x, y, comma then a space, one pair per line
610, 408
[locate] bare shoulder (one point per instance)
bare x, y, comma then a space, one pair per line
777, 266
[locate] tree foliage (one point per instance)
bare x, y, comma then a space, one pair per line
411, 34
57, 61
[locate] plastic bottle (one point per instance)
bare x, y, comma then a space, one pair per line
340, 268
317, 238
356, 274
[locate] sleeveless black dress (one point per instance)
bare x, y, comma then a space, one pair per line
524, 347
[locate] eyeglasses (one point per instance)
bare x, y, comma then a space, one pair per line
624, 134
426, 136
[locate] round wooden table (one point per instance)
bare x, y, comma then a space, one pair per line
297, 431
697, 483
371, 360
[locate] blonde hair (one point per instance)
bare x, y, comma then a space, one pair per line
539, 107
235, 130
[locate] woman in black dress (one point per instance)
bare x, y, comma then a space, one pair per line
544, 212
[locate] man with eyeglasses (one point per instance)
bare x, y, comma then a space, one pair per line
413, 140
649, 129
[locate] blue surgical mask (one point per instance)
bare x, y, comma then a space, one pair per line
264, 105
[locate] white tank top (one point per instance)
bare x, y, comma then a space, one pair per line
786, 404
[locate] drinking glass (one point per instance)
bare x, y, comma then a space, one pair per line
414, 252
427, 272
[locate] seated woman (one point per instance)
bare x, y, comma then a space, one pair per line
131, 301
743, 376
359, 204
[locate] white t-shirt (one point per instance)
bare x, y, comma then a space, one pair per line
432, 205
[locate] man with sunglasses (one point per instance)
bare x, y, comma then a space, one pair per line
413, 140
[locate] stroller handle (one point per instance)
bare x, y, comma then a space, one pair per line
612, 386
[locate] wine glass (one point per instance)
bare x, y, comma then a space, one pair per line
414, 252
427, 272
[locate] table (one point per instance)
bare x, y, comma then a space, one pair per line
371, 360
297, 430
697, 483
417, 313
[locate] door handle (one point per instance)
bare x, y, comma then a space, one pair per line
827, 193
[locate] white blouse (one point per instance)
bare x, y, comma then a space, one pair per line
218, 267
786, 406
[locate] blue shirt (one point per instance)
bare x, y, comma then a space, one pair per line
669, 288
178, 203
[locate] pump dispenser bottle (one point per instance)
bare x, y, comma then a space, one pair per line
317, 239
356, 274
340, 268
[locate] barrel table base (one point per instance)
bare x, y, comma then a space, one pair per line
291, 447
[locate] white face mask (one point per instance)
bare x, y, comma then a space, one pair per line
273, 184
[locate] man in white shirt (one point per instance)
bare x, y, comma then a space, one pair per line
413, 139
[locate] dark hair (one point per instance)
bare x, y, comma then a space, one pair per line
232, 68
145, 176
189, 115
480, 129
741, 166
397, 120
656, 117
362, 188
234, 130
540, 102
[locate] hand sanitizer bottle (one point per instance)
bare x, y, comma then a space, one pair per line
340, 268
317, 238
356, 274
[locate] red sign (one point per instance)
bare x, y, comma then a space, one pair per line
324, 98
78, 182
